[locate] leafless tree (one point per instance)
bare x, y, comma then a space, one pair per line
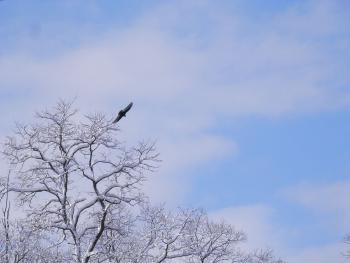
74, 173
80, 189
5, 220
183, 236
27, 244
212, 242
259, 256
21, 241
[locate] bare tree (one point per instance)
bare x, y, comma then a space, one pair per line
27, 244
80, 188
155, 235
159, 236
74, 173
259, 256
5, 220
212, 242
21, 241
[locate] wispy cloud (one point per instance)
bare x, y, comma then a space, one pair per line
187, 65
329, 201
234, 68
255, 220
259, 222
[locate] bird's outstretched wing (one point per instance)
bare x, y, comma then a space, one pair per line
117, 119
123, 112
127, 108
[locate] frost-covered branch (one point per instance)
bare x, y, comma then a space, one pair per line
80, 190
71, 172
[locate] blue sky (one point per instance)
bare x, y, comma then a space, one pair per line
249, 102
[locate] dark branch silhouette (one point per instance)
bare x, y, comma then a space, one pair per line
123, 112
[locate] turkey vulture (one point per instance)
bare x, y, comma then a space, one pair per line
123, 112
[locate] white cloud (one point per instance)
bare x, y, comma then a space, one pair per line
258, 222
232, 72
186, 66
254, 220
328, 204
322, 254
173, 181
329, 201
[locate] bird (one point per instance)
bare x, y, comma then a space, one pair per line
123, 112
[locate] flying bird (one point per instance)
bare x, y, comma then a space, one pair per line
123, 112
